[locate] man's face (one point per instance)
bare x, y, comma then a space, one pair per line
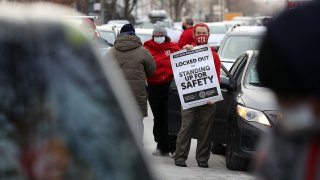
201, 35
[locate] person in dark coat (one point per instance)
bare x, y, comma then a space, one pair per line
136, 64
292, 150
187, 35
160, 47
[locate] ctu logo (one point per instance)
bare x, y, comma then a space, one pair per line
202, 40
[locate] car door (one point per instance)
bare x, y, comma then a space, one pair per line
222, 107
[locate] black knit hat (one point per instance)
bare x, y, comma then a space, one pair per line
128, 29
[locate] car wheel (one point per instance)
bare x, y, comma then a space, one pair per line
234, 162
218, 148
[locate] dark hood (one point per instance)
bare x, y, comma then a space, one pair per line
127, 42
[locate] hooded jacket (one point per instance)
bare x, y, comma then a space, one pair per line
161, 54
136, 64
186, 37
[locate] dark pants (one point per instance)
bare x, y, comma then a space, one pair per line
204, 133
158, 100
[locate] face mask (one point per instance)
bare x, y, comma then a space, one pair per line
299, 119
184, 27
202, 39
159, 40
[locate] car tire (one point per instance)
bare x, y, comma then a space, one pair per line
218, 148
233, 161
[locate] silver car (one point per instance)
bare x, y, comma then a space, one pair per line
239, 40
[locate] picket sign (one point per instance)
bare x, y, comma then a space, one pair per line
195, 76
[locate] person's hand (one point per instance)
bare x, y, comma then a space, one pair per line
188, 47
210, 103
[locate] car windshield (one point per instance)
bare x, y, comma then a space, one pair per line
144, 37
236, 45
217, 29
108, 35
252, 77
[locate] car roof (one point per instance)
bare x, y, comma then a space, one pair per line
143, 31
106, 28
248, 30
215, 23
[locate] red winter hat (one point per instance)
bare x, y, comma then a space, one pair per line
200, 25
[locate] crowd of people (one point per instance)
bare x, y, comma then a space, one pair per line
298, 130
42, 86
148, 68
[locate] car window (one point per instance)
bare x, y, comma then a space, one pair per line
144, 37
108, 35
240, 68
252, 77
235, 65
236, 45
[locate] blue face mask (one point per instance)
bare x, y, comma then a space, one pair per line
159, 40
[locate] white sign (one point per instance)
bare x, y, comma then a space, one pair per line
196, 76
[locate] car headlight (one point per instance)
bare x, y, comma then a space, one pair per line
252, 115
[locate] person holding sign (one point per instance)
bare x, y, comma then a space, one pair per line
160, 47
203, 112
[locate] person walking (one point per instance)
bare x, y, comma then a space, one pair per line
292, 149
186, 36
136, 64
203, 113
160, 47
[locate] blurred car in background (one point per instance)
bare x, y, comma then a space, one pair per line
144, 34
217, 32
263, 20
177, 26
108, 33
244, 20
82, 23
239, 40
229, 24
118, 22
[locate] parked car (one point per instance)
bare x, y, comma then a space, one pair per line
118, 22
244, 20
217, 32
239, 40
247, 111
229, 24
144, 34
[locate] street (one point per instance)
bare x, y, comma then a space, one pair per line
165, 169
